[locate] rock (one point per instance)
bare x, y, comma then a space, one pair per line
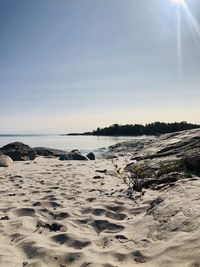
111, 156
101, 171
47, 152
5, 218
191, 163
91, 156
130, 146
108, 155
5, 161
75, 151
73, 155
166, 146
97, 177
18, 151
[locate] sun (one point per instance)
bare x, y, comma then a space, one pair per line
178, 2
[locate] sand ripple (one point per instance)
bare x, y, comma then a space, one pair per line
58, 215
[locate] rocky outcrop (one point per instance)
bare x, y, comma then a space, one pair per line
5, 161
134, 146
73, 155
168, 146
18, 151
161, 162
48, 152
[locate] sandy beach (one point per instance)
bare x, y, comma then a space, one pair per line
99, 133
74, 213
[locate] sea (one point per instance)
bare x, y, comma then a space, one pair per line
67, 142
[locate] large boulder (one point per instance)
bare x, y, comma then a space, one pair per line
18, 151
73, 155
5, 161
48, 152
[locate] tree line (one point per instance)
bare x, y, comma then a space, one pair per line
155, 128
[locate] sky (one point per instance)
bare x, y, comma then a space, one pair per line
74, 65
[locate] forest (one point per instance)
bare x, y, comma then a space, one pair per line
155, 128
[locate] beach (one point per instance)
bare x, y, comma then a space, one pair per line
74, 213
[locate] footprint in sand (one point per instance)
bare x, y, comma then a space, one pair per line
70, 241
104, 225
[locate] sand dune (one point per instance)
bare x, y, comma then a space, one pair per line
68, 214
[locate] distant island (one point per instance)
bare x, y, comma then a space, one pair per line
155, 128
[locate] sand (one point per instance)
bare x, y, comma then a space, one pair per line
59, 214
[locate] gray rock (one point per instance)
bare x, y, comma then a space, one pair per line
49, 152
73, 155
176, 145
111, 156
75, 151
5, 161
18, 151
91, 156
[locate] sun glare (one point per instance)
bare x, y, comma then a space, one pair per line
183, 12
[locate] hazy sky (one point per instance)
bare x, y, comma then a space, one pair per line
73, 65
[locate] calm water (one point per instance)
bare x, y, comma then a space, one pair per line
83, 143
